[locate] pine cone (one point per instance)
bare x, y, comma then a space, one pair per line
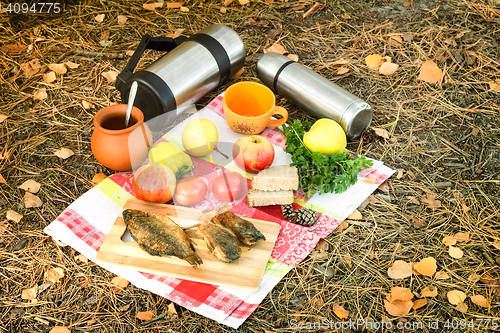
305, 217
288, 212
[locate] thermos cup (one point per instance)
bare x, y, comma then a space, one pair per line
313, 93
193, 67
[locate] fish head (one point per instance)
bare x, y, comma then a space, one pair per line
129, 214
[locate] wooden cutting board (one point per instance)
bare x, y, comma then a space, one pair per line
244, 273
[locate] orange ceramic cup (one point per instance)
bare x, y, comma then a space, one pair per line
248, 107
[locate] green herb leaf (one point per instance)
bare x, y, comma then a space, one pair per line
319, 172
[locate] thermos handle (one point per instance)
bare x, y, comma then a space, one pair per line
147, 43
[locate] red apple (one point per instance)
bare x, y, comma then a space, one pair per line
154, 183
253, 153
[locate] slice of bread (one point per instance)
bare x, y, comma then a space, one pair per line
278, 178
267, 198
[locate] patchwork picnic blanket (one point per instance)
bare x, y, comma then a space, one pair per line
85, 223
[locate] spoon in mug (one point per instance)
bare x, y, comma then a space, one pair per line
131, 97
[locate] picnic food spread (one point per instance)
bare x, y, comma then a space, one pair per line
319, 164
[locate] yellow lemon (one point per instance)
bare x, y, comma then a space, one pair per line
200, 137
326, 136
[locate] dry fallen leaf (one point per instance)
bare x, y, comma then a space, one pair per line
429, 291
396, 40
495, 87
356, 215
388, 68
347, 259
298, 7
121, 19
243, 2
474, 278
63, 153
223, 10
441, 275
400, 175
408, 37
462, 236
399, 270
277, 48
13, 48
13, 216
462, 307
399, 294
496, 244
227, 2
174, 4
431, 201
382, 132
30, 185
293, 57
480, 300
31, 67
49, 77
99, 18
430, 72
184, 9
398, 308
82, 258
58, 68
2, 180
455, 252
31, 200
449, 240
110, 76
419, 303
40, 94
374, 61
29, 293
71, 65
60, 329
346, 16
119, 283
3, 117
342, 70
54, 274
159, 4
171, 311
456, 296
426, 266
98, 177
465, 209
340, 311
406, 4
146, 315
86, 105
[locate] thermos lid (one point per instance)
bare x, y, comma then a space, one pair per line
314, 94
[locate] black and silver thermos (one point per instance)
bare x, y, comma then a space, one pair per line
193, 67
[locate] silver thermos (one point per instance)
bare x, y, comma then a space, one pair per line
192, 67
314, 93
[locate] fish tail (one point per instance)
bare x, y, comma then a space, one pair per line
194, 260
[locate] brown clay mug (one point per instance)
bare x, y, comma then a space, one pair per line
116, 147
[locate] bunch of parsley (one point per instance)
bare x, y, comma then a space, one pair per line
319, 172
